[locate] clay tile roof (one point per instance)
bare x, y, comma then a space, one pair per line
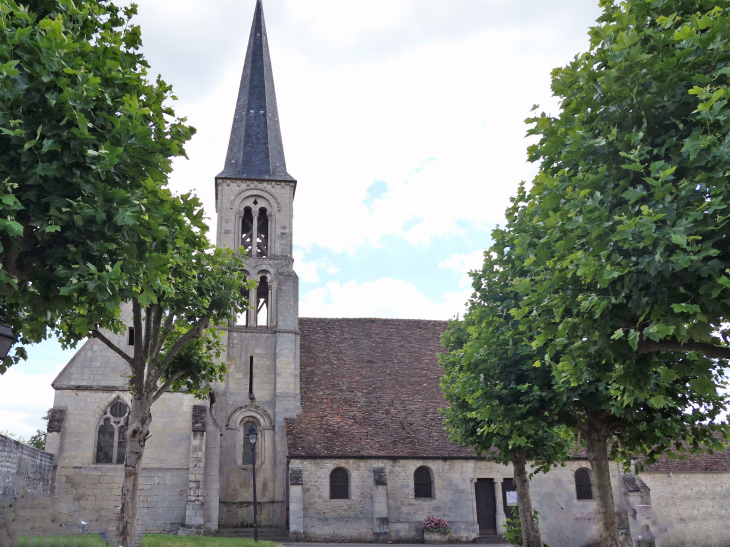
370, 387
719, 461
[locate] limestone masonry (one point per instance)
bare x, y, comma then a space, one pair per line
351, 444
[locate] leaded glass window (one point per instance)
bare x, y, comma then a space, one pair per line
583, 486
423, 483
339, 484
111, 437
247, 447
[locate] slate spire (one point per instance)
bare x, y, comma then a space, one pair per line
255, 149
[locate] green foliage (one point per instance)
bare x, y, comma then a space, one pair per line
627, 218
152, 540
513, 528
86, 144
498, 400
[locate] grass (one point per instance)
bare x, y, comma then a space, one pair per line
152, 540
149, 540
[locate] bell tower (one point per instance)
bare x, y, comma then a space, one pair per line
254, 202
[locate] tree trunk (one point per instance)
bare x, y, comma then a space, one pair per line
597, 440
530, 529
137, 433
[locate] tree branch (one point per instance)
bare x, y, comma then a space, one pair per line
137, 320
96, 334
709, 350
147, 332
164, 387
195, 332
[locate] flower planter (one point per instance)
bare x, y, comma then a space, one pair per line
435, 537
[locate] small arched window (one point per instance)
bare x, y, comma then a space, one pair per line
339, 484
111, 437
423, 482
583, 486
247, 446
262, 302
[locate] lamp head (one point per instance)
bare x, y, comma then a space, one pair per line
252, 435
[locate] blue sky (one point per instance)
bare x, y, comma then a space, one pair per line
403, 121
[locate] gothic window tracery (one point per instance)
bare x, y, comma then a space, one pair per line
339, 484
111, 436
423, 482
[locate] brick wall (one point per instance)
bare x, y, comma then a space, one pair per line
23, 467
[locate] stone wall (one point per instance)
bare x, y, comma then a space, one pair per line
382, 505
23, 468
689, 509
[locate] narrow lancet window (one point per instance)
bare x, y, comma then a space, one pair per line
250, 376
247, 231
262, 233
262, 303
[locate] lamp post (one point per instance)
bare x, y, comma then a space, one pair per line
252, 437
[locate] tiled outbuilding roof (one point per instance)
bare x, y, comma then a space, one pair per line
370, 387
719, 461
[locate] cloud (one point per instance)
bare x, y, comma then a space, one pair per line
26, 399
383, 298
463, 264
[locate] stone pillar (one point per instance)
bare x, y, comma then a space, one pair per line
194, 516
270, 310
381, 527
211, 505
501, 518
296, 503
255, 233
53, 443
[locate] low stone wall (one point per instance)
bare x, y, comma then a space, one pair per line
23, 468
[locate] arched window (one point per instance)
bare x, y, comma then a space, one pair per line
339, 484
583, 486
255, 230
111, 437
423, 482
262, 302
247, 446
247, 231
262, 240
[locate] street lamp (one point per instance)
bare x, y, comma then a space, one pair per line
252, 437
6, 340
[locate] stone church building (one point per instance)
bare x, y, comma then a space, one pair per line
351, 444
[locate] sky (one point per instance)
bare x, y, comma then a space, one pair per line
402, 120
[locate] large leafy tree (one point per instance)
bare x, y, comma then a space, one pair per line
623, 236
86, 143
178, 347
650, 405
499, 403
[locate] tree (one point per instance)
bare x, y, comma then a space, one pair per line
499, 403
624, 233
86, 144
178, 347
506, 395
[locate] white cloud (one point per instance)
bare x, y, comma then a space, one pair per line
25, 400
309, 271
463, 264
384, 298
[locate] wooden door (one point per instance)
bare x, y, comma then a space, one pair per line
486, 507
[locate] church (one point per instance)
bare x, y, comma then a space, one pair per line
351, 445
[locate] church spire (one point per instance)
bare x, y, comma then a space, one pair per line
255, 149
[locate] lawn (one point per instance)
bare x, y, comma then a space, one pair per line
149, 540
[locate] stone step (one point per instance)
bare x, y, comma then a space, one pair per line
266, 534
492, 540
